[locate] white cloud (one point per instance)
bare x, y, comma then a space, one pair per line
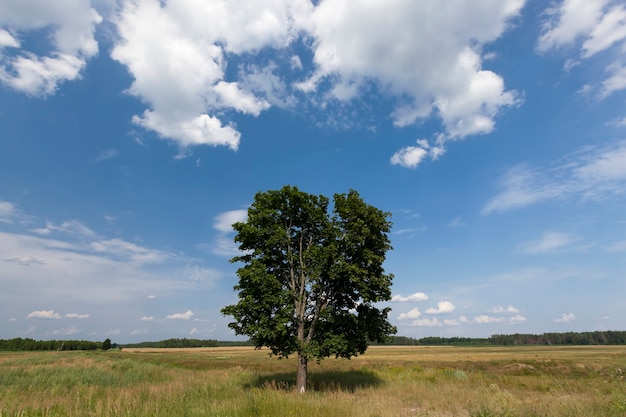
224, 245
500, 310
610, 30
43, 314
224, 221
409, 157
591, 174
518, 318
570, 21
181, 316
548, 243
121, 249
426, 322
77, 316
443, 307
72, 25
595, 27
412, 156
566, 318
147, 318
98, 272
8, 212
359, 45
70, 227
354, 44
412, 314
179, 70
486, 319
413, 298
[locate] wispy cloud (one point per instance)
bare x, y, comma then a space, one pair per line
105, 155
548, 243
70, 227
8, 211
77, 316
617, 247
591, 174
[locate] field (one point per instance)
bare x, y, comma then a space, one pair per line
386, 381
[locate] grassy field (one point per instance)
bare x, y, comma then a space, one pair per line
386, 381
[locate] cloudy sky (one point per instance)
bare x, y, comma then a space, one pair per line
133, 133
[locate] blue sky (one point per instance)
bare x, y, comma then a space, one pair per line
133, 133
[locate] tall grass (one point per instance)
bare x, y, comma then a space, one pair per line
468, 382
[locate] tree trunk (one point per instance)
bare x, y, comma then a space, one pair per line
301, 376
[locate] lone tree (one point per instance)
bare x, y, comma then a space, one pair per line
311, 278
106, 345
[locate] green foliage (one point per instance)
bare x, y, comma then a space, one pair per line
106, 345
605, 337
19, 344
178, 343
311, 279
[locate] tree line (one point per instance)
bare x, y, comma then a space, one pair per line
603, 337
608, 337
19, 344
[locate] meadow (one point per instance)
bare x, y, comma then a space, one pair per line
386, 381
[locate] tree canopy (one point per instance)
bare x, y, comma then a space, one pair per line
311, 278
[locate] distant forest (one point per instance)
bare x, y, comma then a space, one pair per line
570, 338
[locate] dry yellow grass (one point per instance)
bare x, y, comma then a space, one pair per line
386, 381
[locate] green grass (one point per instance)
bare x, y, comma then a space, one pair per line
386, 381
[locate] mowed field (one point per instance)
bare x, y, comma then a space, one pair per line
386, 381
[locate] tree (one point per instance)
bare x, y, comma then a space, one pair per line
311, 279
106, 345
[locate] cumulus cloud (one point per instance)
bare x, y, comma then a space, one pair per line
412, 156
180, 316
591, 174
486, 319
43, 314
180, 70
147, 318
443, 307
71, 24
427, 60
433, 322
566, 318
413, 298
412, 314
444, 75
